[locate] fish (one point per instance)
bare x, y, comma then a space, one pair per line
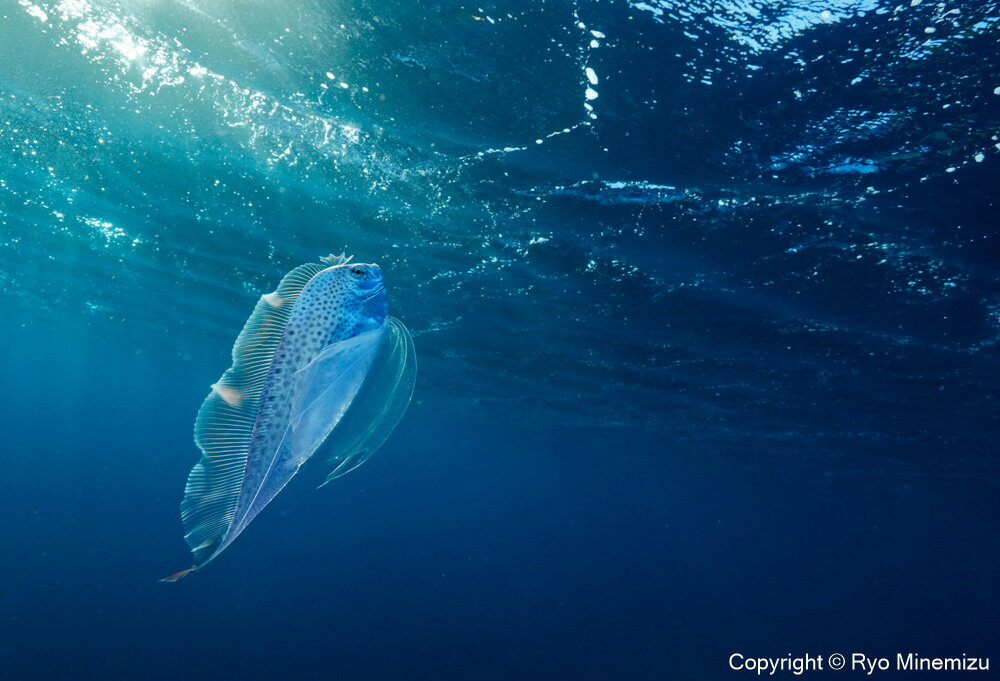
321, 375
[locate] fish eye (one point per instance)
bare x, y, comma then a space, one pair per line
359, 272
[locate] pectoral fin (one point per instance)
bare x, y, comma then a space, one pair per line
376, 408
325, 389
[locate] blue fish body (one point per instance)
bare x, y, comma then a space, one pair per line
320, 372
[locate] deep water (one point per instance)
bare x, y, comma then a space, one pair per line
705, 297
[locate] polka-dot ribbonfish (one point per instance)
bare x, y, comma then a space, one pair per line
321, 375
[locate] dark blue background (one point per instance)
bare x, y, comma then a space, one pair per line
464, 550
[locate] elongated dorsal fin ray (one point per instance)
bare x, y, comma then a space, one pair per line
178, 575
333, 260
226, 419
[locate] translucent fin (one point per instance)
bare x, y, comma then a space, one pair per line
225, 421
325, 389
376, 408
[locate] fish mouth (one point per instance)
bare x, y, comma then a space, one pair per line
374, 293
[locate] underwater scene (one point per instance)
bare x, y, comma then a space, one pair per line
541, 339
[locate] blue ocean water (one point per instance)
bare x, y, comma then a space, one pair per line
705, 299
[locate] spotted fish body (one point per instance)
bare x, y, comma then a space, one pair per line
320, 374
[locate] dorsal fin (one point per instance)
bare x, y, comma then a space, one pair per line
332, 259
225, 421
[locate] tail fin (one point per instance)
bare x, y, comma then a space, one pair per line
177, 575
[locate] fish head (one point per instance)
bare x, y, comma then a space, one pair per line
343, 301
370, 287
360, 291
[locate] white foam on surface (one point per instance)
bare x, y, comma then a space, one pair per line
35, 11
